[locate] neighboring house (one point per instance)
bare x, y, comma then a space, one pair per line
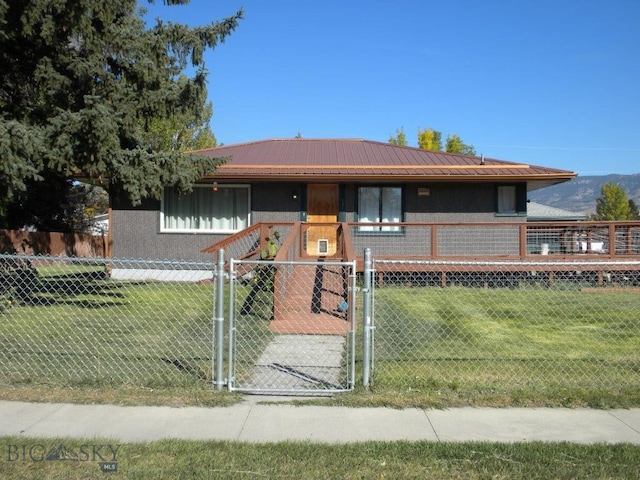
313, 180
548, 242
536, 212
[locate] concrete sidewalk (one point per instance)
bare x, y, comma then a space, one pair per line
252, 421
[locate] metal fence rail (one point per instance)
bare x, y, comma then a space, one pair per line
105, 321
505, 325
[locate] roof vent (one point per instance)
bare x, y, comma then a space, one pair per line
482, 159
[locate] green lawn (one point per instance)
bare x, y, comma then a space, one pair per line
515, 346
72, 334
370, 460
76, 335
77, 327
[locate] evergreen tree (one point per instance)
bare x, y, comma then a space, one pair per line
57, 205
181, 132
82, 84
634, 214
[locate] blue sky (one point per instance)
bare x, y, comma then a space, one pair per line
553, 83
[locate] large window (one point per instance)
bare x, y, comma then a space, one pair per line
224, 209
379, 205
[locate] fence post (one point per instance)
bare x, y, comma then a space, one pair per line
219, 320
366, 323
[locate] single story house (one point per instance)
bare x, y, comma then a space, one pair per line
322, 181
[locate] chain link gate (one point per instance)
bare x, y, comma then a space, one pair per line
291, 326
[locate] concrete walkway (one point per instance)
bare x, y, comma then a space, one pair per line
252, 421
300, 362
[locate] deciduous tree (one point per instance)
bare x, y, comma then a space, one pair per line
181, 132
612, 204
455, 144
430, 139
400, 139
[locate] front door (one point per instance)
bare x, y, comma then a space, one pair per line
322, 207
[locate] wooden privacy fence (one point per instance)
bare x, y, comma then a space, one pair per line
52, 243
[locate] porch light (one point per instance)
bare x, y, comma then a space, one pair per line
294, 195
215, 186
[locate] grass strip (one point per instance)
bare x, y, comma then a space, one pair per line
176, 459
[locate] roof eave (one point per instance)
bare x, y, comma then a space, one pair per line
544, 179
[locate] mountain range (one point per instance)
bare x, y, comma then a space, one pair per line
579, 195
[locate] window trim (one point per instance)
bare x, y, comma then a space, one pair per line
227, 231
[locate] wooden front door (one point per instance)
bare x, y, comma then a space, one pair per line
322, 207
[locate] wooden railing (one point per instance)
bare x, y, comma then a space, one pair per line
610, 239
248, 243
498, 240
476, 241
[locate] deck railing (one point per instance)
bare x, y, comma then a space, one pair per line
499, 240
248, 243
568, 241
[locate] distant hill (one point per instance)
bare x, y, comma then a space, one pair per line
580, 194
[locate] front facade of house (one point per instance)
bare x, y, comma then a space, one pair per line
325, 181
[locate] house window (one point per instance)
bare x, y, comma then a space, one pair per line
379, 205
511, 199
507, 199
224, 210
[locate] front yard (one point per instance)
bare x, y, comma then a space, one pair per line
73, 334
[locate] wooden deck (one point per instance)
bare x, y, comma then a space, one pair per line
549, 267
308, 301
498, 253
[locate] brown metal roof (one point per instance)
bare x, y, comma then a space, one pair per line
363, 160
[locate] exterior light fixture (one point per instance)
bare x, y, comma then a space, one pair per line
215, 186
294, 195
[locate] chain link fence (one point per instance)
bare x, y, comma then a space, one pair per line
77, 321
292, 326
90, 322
435, 324
505, 325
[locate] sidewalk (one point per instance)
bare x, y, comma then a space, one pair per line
252, 421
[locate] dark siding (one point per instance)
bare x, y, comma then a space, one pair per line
275, 203
136, 234
447, 203
450, 203
136, 230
